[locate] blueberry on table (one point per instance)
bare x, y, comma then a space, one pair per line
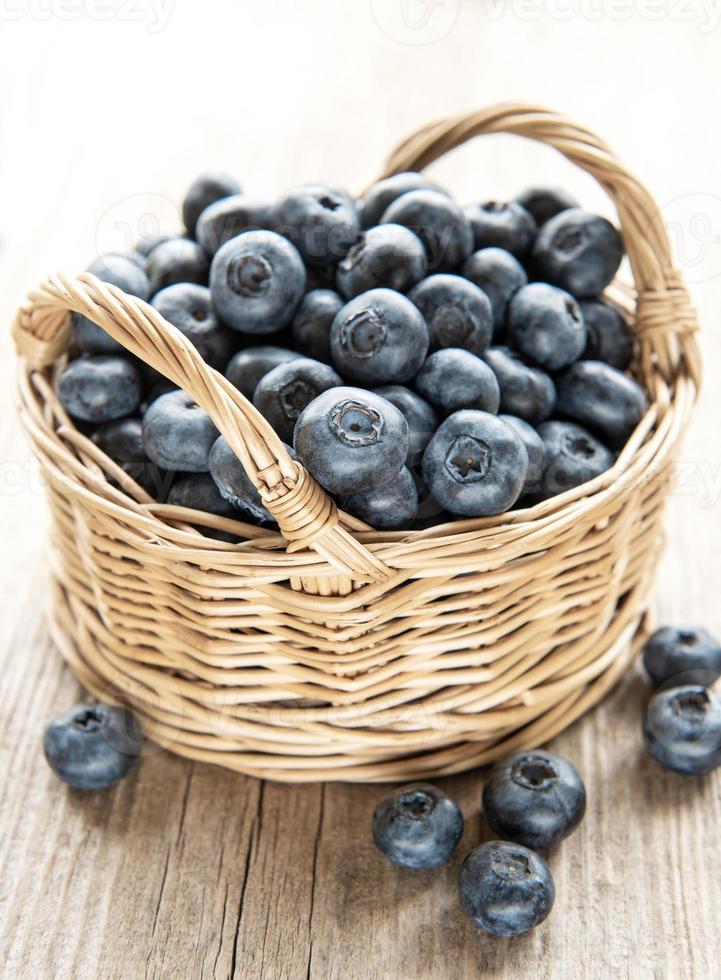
384, 192
312, 322
475, 465
188, 307
351, 440
682, 729
99, 388
421, 418
543, 203
535, 450
497, 224
500, 275
282, 394
526, 391
505, 888
417, 826
573, 457
379, 338
235, 485
176, 260
579, 251
178, 434
257, 280
386, 255
231, 216
439, 223
204, 191
457, 312
125, 273
92, 746
388, 507
321, 221
601, 398
247, 367
452, 379
546, 326
534, 798
198, 491
608, 337
676, 656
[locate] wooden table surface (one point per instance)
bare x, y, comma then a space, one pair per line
188, 871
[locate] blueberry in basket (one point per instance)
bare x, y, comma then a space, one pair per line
384, 192
391, 506
497, 224
543, 203
188, 307
282, 394
178, 434
526, 391
421, 417
457, 312
125, 273
452, 379
387, 255
319, 220
234, 484
99, 388
500, 275
228, 217
608, 337
312, 322
439, 222
603, 399
578, 251
248, 366
176, 260
545, 325
572, 457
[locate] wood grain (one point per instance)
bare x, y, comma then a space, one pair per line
186, 871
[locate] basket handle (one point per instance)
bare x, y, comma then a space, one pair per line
666, 321
306, 514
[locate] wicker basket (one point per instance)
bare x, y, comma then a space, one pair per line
328, 650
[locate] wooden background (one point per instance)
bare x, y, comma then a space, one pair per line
187, 871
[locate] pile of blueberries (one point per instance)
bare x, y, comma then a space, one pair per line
532, 800
422, 360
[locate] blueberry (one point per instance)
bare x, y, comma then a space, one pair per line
235, 485
228, 217
146, 243
188, 307
546, 326
384, 192
386, 255
452, 378
682, 729
535, 450
176, 260
608, 337
92, 746
526, 391
204, 191
678, 657
573, 456
321, 222
379, 337
99, 389
578, 251
351, 440
603, 399
248, 366
534, 798
312, 322
500, 275
178, 434
456, 311
475, 465
420, 416
388, 507
440, 224
417, 826
257, 280
122, 441
198, 491
543, 203
496, 224
118, 270
505, 888
282, 394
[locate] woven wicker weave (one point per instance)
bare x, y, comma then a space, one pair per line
331, 651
